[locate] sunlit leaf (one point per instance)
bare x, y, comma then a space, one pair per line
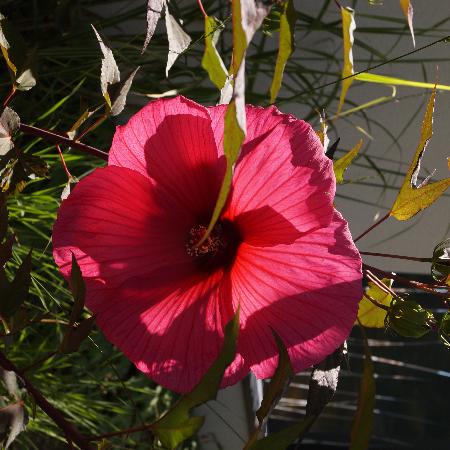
413, 198
177, 424
323, 382
119, 99
285, 47
323, 132
178, 40
440, 265
211, 61
341, 165
363, 421
9, 124
348, 28
408, 11
444, 329
13, 418
247, 18
5, 46
393, 81
154, 10
369, 314
109, 72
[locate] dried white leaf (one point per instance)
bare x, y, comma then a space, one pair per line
120, 99
154, 10
9, 123
178, 40
226, 93
110, 72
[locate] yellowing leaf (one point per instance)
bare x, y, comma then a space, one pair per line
348, 27
4, 45
286, 46
211, 61
412, 198
323, 132
392, 81
408, 12
340, 166
369, 314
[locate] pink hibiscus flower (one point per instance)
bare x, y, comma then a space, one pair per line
280, 250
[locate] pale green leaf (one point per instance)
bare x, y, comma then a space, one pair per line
211, 61
286, 45
348, 28
340, 166
393, 81
369, 314
413, 198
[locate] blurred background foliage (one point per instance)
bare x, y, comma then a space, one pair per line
97, 388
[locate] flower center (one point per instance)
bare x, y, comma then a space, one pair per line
218, 250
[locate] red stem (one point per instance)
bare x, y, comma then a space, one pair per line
10, 96
388, 255
69, 430
69, 176
202, 9
405, 281
372, 227
57, 138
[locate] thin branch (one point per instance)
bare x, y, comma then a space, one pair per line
389, 255
10, 96
372, 227
57, 138
202, 9
72, 434
121, 432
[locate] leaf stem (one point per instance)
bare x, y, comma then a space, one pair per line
120, 432
93, 126
372, 227
72, 434
63, 162
389, 255
10, 96
202, 9
57, 138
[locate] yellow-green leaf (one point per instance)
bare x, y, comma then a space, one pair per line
4, 45
286, 46
413, 198
393, 81
348, 27
408, 11
340, 166
211, 61
364, 418
369, 314
323, 132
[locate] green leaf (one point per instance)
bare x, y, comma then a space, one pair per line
444, 329
440, 265
413, 198
323, 383
284, 438
211, 61
393, 81
408, 11
348, 28
78, 289
14, 293
341, 165
278, 382
369, 314
75, 335
286, 46
363, 421
177, 425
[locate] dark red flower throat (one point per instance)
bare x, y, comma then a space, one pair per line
218, 250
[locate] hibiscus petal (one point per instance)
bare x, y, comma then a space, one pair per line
281, 176
171, 141
308, 292
118, 224
173, 336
